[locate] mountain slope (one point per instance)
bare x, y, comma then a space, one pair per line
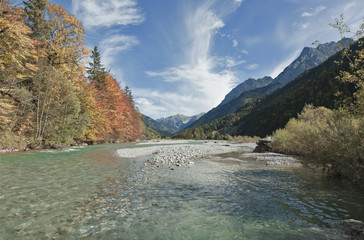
245, 86
157, 126
233, 102
309, 58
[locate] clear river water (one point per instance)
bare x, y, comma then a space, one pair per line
92, 193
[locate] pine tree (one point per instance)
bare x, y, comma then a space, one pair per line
96, 72
129, 94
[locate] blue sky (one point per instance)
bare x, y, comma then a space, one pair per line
184, 56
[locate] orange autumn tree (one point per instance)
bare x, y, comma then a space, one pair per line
17, 57
120, 116
114, 116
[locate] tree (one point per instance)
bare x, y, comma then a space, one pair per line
129, 94
17, 57
96, 71
57, 84
355, 57
35, 18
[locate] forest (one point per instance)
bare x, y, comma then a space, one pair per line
50, 96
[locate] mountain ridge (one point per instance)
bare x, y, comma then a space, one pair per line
178, 122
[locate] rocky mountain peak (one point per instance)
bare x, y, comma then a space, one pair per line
179, 121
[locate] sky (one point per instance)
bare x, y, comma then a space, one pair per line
184, 56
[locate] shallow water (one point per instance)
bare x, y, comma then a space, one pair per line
91, 193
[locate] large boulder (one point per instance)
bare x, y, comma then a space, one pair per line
264, 145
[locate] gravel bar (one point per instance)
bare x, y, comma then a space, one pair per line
184, 152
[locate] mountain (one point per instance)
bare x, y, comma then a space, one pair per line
178, 122
262, 116
309, 58
247, 85
157, 126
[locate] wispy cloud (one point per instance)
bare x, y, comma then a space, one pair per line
313, 11
107, 13
308, 29
235, 43
252, 66
238, 2
113, 45
349, 5
202, 25
232, 62
197, 88
203, 81
226, 62
250, 41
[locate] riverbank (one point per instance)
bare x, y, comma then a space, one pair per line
41, 147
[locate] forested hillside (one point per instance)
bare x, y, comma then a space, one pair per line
157, 126
45, 98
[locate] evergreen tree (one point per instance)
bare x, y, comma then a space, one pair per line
129, 94
96, 72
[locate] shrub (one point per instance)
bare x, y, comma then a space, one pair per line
326, 138
9, 140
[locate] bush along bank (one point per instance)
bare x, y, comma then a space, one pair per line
331, 139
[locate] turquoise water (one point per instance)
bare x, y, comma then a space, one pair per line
91, 193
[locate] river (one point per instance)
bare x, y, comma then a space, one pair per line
93, 193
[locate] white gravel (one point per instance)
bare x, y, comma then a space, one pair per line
166, 142
184, 152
